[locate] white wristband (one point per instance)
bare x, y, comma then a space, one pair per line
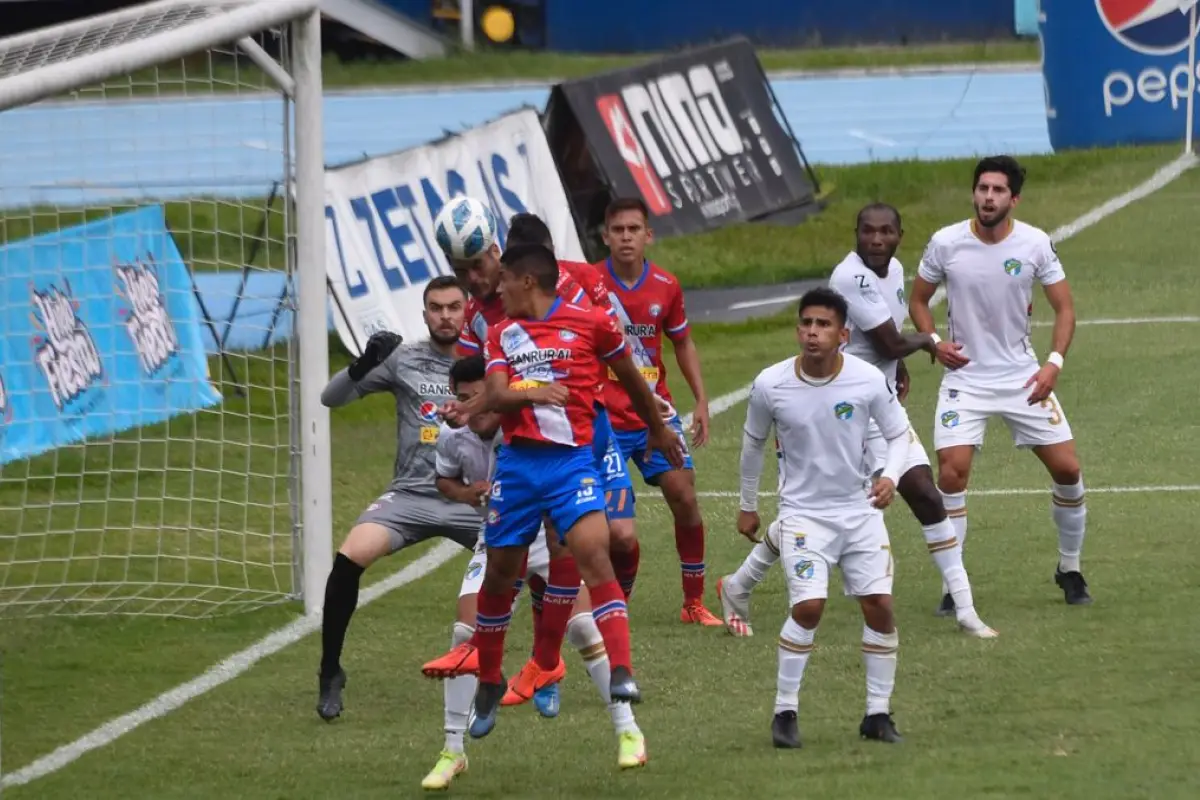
936, 339
1056, 359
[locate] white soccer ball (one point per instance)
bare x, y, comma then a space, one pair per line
465, 228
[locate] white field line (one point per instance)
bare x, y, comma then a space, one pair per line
1178, 489
240, 662
1151, 185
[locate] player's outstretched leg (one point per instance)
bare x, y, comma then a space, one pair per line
923, 498
734, 590
1068, 507
539, 678
459, 694
366, 543
880, 644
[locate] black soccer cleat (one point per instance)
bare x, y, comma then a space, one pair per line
785, 732
1074, 587
880, 728
487, 706
329, 702
622, 688
946, 609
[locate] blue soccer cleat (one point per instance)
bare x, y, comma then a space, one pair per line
546, 700
487, 705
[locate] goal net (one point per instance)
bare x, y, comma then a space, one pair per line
149, 374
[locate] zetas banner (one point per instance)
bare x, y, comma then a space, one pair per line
101, 334
380, 248
695, 135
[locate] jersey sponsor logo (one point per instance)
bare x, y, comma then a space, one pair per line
542, 355
843, 411
950, 419
429, 434
641, 331
1013, 267
655, 309
1153, 27
586, 492
866, 288
680, 142
493, 516
438, 389
900, 295
428, 411
526, 384
804, 569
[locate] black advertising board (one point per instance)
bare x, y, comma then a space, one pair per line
696, 135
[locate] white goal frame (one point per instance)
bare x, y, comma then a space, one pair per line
45, 63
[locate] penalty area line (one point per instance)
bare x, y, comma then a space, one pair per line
1178, 489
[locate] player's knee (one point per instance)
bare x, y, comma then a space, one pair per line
366, 544
877, 612
952, 477
582, 631
622, 535
462, 633
680, 495
926, 503
1067, 474
807, 613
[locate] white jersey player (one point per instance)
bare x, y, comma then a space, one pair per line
988, 266
465, 461
820, 405
872, 282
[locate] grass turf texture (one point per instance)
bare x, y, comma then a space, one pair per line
214, 234
1059, 706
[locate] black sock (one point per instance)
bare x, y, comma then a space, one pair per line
341, 598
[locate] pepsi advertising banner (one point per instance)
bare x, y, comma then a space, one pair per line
101, 333
1117, 71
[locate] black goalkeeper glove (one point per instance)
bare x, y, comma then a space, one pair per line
378, 348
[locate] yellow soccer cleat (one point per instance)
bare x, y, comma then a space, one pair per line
448, 767
631, 750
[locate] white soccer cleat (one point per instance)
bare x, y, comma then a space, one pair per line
977, 628
735, 610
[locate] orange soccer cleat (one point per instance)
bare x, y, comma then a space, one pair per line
530, 680
463, 659
694, 613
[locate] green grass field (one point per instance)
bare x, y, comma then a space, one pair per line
1068, 703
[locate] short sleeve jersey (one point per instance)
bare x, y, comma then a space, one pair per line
568, 346
821, 432
872, 301
647, 309
989, 294
419, 377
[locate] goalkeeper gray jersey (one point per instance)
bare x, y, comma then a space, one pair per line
419, 377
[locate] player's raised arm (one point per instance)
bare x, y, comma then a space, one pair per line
929, 274
362, 377
754, 442
1058, 293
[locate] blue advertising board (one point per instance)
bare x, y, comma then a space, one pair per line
1117, 71
100, 333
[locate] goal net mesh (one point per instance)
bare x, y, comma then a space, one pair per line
147, 456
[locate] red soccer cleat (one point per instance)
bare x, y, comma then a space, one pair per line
529, 680
462, 660
694, 613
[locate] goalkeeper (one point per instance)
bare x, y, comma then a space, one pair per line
412, 509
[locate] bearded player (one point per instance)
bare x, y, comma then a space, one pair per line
411, 510
580, 284
648, 302
989, 265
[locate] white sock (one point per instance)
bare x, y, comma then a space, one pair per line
879, 658
459, 695
1069, 509
956, 512
754, 569
946, 553
795, 646
585, 637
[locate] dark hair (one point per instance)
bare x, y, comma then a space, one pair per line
442, 282
533, 259
867, 209
824, 297
467, 370
1007, 166
620, 204
526, 228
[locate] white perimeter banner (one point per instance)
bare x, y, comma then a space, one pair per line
380, 249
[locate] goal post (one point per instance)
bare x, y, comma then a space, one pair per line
163, 312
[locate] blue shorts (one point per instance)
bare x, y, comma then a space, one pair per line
633, 445
558, 483
610, 463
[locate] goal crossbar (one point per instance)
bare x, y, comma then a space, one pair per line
113, 45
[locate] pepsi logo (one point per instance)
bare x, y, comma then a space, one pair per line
1153, 27
428, 411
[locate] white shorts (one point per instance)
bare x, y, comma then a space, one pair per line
962, 416
876, 451
809, 549
538, 564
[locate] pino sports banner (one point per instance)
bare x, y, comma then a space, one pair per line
380, 248
101, 334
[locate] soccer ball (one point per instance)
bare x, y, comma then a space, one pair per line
465, 228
